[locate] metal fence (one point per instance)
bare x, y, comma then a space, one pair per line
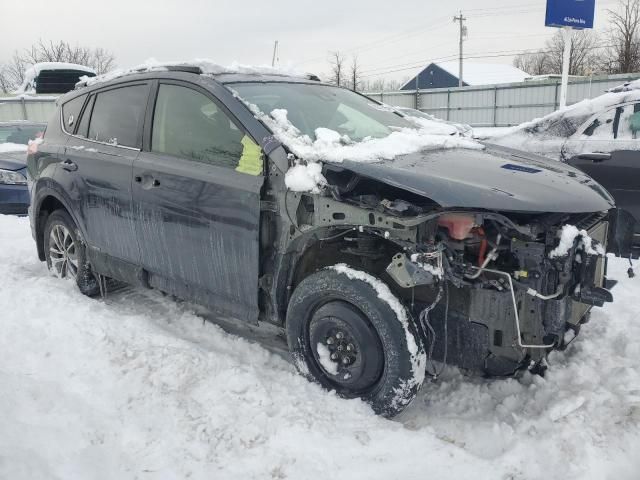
500, 105
36, 109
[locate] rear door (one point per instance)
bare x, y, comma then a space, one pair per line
608, 150
97, 163
197, 195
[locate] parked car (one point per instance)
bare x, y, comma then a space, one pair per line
599, 136
14, 137
171, 179
53, 78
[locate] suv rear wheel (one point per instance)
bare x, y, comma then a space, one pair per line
66, 254
349, 333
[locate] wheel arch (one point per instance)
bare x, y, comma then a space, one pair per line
310, 253
47, 200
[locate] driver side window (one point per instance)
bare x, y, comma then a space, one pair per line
188, 124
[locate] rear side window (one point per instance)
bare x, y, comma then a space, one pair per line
188, 124
83, 126
71, 112
629, 124
602, 127
118, 114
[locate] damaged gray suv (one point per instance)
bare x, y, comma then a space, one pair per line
211, 185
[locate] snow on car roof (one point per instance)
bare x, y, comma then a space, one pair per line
34, 71
205, 66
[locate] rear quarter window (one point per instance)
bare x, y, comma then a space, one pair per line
118, 114
71, 112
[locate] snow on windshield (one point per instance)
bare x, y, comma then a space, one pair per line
380, 133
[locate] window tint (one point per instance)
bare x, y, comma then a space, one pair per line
602, 127
188, 124
71, 112
118, 114
629, 123
83, 127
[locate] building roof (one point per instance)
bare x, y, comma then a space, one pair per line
485, 73
475, 74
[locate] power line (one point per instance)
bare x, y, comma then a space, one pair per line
496, 54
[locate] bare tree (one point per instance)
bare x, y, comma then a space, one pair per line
12, 74
548, 60
355, 81
532, 63
622, 54
377, 85
337, 69
583, 48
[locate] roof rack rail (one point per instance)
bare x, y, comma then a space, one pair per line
184, 68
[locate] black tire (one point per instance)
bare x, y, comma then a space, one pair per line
342, 335
78, 268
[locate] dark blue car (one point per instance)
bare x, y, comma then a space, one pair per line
14, 139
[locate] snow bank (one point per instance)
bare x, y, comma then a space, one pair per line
140, 387
208, 67
12, 147
568, 237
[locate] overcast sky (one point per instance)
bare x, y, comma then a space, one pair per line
390, 38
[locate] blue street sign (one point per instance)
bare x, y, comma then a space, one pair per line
570, 13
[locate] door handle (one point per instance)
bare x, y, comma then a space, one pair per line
69, 166
595, 157
138, 179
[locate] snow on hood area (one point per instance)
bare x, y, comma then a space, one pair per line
12, 147
140, 387
330, 146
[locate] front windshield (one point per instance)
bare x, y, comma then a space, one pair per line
19, 134
312, 106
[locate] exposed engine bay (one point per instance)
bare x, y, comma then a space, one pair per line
491, 292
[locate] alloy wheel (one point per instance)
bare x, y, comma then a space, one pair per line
63, 252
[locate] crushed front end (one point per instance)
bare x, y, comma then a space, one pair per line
494, 294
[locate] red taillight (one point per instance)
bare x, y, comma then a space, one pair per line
33, 144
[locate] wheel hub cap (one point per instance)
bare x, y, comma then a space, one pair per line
63, 252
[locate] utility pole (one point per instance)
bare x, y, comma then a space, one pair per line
463, 33
567, 36
275, 54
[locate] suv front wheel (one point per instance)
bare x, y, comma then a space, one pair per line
348, 332
66, 254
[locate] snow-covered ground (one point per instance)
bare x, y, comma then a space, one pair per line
139, 386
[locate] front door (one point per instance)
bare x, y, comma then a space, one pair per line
196, 192
616, 133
